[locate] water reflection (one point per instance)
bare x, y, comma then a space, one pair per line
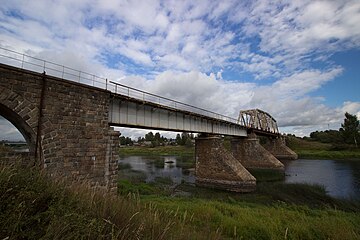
340, 178
179, 169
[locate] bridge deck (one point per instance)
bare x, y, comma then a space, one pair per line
131, 112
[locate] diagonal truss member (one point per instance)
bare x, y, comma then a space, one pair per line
259, 120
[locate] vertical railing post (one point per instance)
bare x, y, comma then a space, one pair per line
79, 76
106, 84
22, 63
62, 75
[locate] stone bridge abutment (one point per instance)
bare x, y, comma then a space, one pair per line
64, 123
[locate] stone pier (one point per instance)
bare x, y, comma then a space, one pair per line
252, 155
217, 168
278, 148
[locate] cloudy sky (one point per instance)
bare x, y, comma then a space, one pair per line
297, 60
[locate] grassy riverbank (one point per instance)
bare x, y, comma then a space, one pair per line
157, 151
32, 207
316, 150
274, 211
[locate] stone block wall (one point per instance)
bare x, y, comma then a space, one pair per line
252, 155
278, 148
217, 168
75, 141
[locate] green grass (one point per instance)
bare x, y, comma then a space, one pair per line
275, 211
158, 151
35, 207
254, 221
316, 150
327, 154
300, 144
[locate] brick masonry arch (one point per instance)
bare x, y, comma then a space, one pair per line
24, 115
21, 113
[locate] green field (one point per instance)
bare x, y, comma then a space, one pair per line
315, 150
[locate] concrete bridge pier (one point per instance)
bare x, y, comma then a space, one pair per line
278, 148
217, 168
252, 155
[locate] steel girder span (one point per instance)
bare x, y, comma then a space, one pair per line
256, 119
130, 112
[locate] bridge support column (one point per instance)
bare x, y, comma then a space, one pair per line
278, 148
252, 155
111, 161
217, 168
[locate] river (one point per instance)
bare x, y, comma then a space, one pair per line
340, 178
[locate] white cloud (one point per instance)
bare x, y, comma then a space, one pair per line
352, 108
137, 56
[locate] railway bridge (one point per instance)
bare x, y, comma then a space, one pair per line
67, 117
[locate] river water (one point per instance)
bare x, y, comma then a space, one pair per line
340, 178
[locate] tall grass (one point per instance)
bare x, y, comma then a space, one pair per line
34, 207
240, 220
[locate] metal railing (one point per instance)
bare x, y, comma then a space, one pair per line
24, 61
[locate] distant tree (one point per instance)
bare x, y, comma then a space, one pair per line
157, 137
156, 140
350, 129
184, 139
122, 140
149, 137
178, 139
125, 141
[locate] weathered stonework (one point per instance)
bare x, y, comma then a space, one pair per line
252, 155
75, 140
217, 168
278, 148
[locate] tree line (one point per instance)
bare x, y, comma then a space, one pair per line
183, 139
349, 133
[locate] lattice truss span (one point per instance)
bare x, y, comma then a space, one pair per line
258, 120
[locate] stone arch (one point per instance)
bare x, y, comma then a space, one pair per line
21, 113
